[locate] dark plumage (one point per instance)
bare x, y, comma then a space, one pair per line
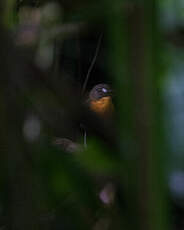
99, 91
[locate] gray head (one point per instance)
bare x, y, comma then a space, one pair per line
99, 91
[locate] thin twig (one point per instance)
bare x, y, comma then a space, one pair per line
92, 64
85, 139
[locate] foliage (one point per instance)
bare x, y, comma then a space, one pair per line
121, 179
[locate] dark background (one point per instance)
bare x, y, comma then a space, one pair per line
136, 160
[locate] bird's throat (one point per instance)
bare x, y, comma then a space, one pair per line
103, 106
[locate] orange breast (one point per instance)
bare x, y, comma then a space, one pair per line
103, 106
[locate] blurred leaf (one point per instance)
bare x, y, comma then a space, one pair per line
97, 159
8, 13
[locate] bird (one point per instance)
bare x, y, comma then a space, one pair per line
100, 110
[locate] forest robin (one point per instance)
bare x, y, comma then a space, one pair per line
100, 101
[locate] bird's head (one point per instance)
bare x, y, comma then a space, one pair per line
99, 91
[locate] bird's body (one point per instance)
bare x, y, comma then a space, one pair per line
103, 107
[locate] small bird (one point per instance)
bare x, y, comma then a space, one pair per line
100, 101
99, 104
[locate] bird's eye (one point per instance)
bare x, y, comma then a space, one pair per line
104, 90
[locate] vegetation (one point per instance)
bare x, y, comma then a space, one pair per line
62, 165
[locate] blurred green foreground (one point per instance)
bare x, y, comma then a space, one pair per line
128, 174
